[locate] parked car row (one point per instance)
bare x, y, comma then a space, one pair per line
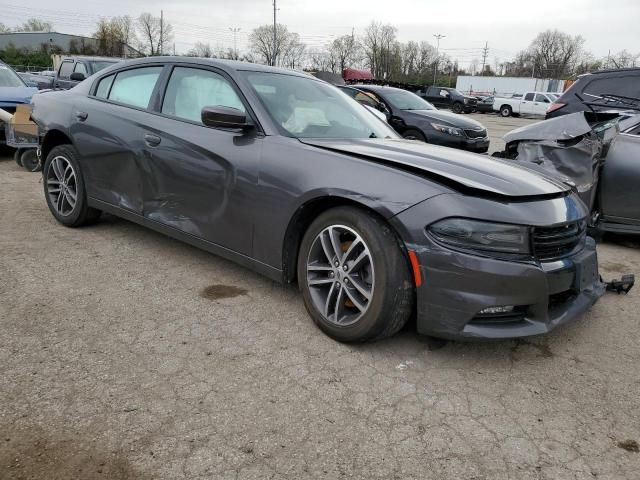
72, 70
416, 119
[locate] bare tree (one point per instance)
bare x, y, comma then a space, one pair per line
155, 35
344, 49
555, 53
201, 49
4, 28
624, 59
35, 25
377, 42
288, 49
114, 36
293, 52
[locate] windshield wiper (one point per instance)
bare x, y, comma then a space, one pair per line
631, 101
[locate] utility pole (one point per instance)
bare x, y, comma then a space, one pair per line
485, 54
435, 68
273, 57
161, 32
235, 31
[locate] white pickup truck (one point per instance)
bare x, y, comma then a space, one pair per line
532, 103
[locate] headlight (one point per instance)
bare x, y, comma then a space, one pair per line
466, 100
460, 233
448, 130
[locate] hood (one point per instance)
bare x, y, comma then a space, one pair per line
447, 118
466, 172
14, 95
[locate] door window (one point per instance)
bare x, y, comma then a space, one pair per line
528, 97
81, 68
134, 87
191, 89
65, 70
365, 99
542, 98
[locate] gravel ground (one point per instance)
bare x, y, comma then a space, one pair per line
128, 355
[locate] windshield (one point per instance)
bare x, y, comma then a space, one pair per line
404, 100
9, 78
97, 66
307, 108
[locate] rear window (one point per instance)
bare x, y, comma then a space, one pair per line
626, 86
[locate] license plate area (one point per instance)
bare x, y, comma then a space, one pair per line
586, 272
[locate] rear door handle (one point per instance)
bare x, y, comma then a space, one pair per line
82, 116
152, 140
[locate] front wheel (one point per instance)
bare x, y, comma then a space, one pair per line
64, 188
414, 135
354, 277
457, 108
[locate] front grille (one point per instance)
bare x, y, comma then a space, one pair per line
475, 133
551, 243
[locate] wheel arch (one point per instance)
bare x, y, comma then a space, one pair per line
53, 138
307, 213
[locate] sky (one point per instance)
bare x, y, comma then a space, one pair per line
506, 26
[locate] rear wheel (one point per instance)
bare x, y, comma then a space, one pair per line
354, 277
414, 135
64, 188
505, 111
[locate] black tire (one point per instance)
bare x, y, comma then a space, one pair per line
457, 107
393, 294
17, 157
506, 111
29, 160
81, 213
413, 134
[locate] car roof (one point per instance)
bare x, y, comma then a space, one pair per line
229, 65
610, 71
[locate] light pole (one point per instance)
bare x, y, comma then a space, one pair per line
235, 31
435, 69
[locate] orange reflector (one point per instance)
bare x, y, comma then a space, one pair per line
417, 276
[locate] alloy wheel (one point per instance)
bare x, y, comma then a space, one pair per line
340, 275
62, 185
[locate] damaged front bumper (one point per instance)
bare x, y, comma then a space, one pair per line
470, 297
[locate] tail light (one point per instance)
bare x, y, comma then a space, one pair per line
555, 106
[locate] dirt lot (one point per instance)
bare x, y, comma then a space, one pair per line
127, 355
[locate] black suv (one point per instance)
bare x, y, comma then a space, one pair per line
416, 119
444, 97
600, 91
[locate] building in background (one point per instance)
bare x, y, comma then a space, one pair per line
55, 42
506, 86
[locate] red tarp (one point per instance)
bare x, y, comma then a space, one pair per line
354, 74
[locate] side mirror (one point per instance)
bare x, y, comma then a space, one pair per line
382, 107
77, 76
224, 117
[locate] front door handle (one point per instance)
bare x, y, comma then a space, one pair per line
82, 116
152, 140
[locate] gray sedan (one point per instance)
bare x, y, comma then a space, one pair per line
288, 176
